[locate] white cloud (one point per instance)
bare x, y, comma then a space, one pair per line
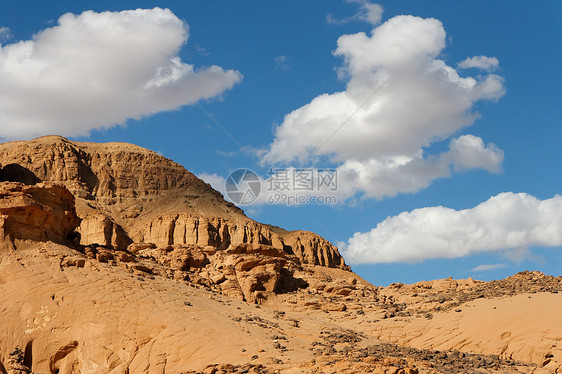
505, 222
400, 99
97, 70
368, 12
470, 152
376, 178
480, 62
282, 62
5, 34
489, 267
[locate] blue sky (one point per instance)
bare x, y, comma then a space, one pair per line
277, 57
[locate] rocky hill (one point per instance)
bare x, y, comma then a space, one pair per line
216, 292
126, 194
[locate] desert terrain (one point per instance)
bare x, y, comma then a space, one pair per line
114, 259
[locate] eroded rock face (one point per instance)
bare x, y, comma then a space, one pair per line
99, 228
39, 212
242, 259
127, 194
313, 249
247, 272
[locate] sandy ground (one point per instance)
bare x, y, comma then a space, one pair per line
102, 318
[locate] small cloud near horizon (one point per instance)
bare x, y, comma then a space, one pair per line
508, 223
489, 267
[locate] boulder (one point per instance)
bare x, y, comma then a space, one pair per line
39, 212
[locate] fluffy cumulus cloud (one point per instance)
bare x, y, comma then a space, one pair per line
400, 98
505, 222
479, 62
96, 70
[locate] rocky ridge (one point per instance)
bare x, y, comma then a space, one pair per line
428, 297
126, 194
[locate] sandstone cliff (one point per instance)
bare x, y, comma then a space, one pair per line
39, 212
126, 194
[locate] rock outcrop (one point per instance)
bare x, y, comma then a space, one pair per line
38, 212
127, 194
312, 249
248, 269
